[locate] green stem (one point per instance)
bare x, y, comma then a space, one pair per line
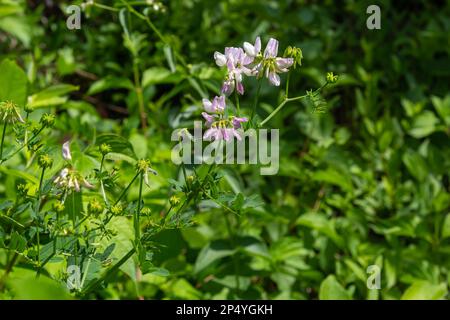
274, 112
139, 93
3, 140
255, 104
103, 6
156, 31
286, 100
20, 149
238, 108
137, 225
38, 204
109, 273
287, 84
126, 189
235, 257
102, 188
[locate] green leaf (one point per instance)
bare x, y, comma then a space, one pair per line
415, 164
13, 83
159, 75
122, 244
424, 290
19, 174
52, 96
18, 27
446, 227
322, 224
214, 251
117, 143
254, 247
334, 177
74, 205
108, 83
331, 289
169, 57
423, 124
26, 286
18, 243
442, 107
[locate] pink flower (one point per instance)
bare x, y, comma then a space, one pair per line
253, 50
273, 64
236, 61
237, 122
217, 105
66, 151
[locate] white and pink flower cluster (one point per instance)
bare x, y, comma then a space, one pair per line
250, 61
219, 126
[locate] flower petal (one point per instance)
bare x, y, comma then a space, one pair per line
237, 122
274, 78
207, 105
271, 48
284, 63
220, 58
249, 49
66, 151
240, 88
258, 45
209, 118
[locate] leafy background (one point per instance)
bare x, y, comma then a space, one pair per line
364, 183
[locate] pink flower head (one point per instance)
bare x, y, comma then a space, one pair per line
274, 64
216, 133
237, 62
217, 105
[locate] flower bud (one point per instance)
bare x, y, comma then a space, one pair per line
146, 211
174, 201
116, 209
105, 149
23, 189
45, 161
143, 165
47, 120
58, 206
94, 207
331, 78
295, 53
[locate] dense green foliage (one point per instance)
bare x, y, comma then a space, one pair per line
364, 166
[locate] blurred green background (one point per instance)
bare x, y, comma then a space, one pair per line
364, 183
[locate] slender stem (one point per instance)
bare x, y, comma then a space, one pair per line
137, 225
23, 146
235, 257
238, 108
3, 140
185, 175
139, 93
110, 272
287, 84
274, 112
126, 189
8, 269
38, 204
255, 104
102, 188
155, 30
103, 6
